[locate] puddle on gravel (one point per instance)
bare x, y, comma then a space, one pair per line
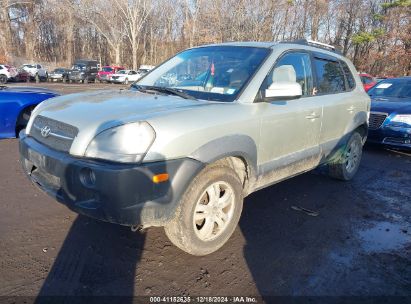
385, 236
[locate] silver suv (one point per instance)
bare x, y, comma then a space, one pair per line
187, 142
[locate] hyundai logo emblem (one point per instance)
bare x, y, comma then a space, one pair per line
45, 131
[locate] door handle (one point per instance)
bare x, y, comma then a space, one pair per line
350, 109
313, 116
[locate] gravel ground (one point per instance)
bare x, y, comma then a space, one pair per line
358, 245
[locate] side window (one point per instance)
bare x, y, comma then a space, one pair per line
330, 77
39, 66
292, 67
348, 76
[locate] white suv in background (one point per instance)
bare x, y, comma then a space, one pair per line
36, 70
7, 72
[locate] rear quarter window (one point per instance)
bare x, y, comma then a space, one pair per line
348, 76
330, 77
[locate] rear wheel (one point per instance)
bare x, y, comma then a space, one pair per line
3, 79
209, 211
349, 162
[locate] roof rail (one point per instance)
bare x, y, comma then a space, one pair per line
315, 44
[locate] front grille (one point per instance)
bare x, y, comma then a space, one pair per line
60, 137
376, 120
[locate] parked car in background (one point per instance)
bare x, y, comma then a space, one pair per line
36, 71
124, 76
22, 76
106, 71
16, 105
144, 69
390, 117
185, 156
84, 71
368, 81
7, 73
59, 74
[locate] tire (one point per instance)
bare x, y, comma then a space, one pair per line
23, 119
347, 165
3, 79
187, 234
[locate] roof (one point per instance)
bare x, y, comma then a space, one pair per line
306, 44
266, 44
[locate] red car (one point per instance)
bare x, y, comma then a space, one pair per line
22, 75
368, 81
107, 71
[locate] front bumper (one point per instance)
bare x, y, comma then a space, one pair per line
118, 193
396, 137
55, 77
117, 80
77, 77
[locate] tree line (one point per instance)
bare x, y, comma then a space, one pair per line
374, 34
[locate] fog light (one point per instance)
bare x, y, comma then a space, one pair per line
87, 177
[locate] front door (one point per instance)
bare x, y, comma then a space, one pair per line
290, 129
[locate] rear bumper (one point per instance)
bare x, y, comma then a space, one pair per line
117, 193
395, 137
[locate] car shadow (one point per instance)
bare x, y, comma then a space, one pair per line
96, 259
286, 245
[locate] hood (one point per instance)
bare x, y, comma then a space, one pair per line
32, 90
93, 112
391, 104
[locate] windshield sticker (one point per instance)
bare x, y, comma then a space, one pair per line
384, 85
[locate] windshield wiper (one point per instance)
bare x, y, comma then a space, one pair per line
165, 90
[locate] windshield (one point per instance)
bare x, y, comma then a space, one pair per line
107, 69
79, 66
122, 72
59, 71
30, 66
212, 73
400, 88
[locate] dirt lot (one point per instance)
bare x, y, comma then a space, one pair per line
359, 244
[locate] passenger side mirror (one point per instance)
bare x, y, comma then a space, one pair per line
283, 90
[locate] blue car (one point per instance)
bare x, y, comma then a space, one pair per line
390, 117
16, 104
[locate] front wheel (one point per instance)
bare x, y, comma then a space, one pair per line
3, 79
349, 162
209, 211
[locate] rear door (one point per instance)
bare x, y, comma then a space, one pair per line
334, 90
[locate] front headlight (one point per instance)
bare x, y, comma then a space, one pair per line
401, 119
126, 143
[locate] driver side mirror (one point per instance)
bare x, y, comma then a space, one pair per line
283, 90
